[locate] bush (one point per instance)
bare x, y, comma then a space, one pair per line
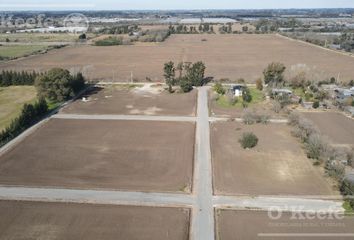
186, 85
219, 89
246, 95
315, 146
259, 84
249, 118
110, 41
316, 104
249, 140
294, 119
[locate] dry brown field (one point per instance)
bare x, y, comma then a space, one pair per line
226, 56
136, 101
104, 154
276, 166
337, 127
240, 225
69, 221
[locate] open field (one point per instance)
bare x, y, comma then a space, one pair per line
276, 166
39, 220
11, 101
233, 225
16, 51
338, 128
226, 56
134, 100
124, 155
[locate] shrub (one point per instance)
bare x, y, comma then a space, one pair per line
110, 41
316, 104
218, 87
276, 107
315, 146
246, 95
259, 84
249, 118
249, 140
294, 119
186, 85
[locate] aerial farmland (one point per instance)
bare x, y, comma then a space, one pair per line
159, 125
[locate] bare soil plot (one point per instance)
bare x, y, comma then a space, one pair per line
39, 220
118, 100
276, 166
232, 225
124, 155
226, 56
338, 128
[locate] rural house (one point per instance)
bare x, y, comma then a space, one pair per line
237, 89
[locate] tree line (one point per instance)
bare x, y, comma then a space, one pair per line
13, 78
184, 74
30, 114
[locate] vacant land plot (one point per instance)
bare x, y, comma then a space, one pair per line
122, 100
226, 56
276, 166
248, 225
338, 128
124, 155
39, 220
11, 101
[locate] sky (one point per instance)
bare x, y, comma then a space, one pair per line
6, 5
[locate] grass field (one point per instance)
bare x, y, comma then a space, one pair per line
11, 101
16, 51
39, 37
257, 97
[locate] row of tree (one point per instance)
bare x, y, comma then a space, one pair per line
12, 78
188, 75
30, 114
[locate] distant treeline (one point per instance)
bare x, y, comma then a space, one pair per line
12, 78
30, 114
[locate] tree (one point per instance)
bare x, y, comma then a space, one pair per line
245, 29
78, 83
55, 85
169, 74
249, 140
195, 73
274, 74
82, 36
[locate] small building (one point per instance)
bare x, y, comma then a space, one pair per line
237, 89
342, 94
281, 92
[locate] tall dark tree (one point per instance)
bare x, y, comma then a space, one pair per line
274, 74
169, 74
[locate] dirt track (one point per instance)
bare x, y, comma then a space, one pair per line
248, 224
111, 100
276, 166
36, 220
226, 56
124, 155
338, 128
